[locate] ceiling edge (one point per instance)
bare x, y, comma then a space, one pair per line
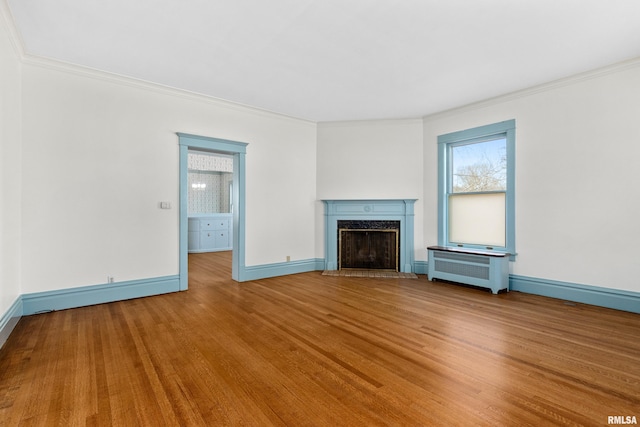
109, 77
381, 122
14, 34
543, 87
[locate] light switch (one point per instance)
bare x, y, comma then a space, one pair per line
165, 205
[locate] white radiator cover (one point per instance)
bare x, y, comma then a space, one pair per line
488, 270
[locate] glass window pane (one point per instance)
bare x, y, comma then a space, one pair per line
480, 166
477, 219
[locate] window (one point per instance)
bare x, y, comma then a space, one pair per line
476, 177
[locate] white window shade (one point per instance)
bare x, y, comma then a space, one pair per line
477, 219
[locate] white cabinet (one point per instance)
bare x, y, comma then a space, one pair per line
210, 233
194, 234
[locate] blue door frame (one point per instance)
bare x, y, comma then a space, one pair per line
238, 151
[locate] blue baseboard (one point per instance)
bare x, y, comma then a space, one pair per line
281, 269
9, 320
89, 295
603, 297
594, 295
98, 294
421, 267
294, 267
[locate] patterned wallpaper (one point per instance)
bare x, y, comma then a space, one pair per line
209, 179
210, 162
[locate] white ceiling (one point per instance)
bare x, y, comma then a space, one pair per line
326, 60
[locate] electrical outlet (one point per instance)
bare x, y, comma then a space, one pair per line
110, 279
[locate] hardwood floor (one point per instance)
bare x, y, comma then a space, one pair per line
312, 350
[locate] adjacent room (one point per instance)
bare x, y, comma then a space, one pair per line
319, 213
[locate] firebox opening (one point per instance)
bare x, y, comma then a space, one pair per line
368, 248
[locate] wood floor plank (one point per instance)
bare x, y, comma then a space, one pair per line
313, 350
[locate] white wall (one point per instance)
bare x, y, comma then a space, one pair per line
380, 159
9, 168
100, 153
577, 176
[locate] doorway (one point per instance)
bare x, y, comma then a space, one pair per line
236, 150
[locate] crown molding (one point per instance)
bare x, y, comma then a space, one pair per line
544, 87
66, 67
371, 122
14, 34
34, 60
114, 78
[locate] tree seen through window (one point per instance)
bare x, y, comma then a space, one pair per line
480, 167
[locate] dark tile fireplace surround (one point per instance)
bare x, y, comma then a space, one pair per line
368, 244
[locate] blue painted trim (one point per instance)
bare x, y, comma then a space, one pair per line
10, 319
445, 142
90, 295
444, 164
97, 294
282, 269
477, 132
206, 142
238, 150
421, 267
384, 209
239, 218
184, 219
594, 295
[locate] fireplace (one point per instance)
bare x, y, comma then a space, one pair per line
371, 245
369, 234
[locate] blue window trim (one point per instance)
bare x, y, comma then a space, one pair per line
506, 129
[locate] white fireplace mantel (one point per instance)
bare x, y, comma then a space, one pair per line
383, 209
